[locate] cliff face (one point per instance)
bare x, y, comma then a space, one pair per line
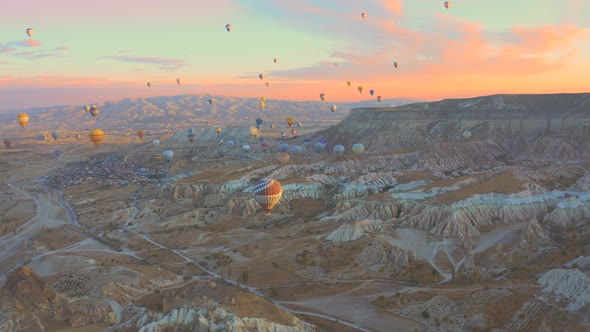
514, 119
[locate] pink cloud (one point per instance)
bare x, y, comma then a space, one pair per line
31, 43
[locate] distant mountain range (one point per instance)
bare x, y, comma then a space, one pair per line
182, 110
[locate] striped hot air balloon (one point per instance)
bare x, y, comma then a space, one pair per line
283, 158
267, 193
358, 148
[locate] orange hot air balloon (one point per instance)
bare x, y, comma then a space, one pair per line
218, 130
140, 134
8, 142
360, 88
283, 158
96, 136
23, 119
290, 121
94, 111
267, 193
158, 157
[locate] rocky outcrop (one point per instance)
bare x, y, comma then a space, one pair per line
24, 290
355, 230
208, 318
532, 232
570, 285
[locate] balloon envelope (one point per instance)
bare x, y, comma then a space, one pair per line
338, 150
96, 136
94, 111
23, 119
466, 134
168, 155
358, 148
284, 147
283, 158
296, 150
267, 193
55, 135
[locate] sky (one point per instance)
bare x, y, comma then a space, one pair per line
85, 52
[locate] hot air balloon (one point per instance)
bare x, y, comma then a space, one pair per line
149, 84
212, 101
395, 64
299, 124
158, 157
319, 146
267, 193
156, 142
275, 60
140, 134
447, 4
283, 158
246, 147
263, 99
23, 119
307, 142
87, 108
267, 84
258, 122
218, 130
348, 83
30, 32
372, 92
293, 131
261, 76
228, 27
78, 136
364, 15
55, 135
96, 136
296, 150
264, 145
358, 148
379, 98
261, 139
94, 111
191, 137
322, 96
290, 121
168, 155
334, 108
282, 134
8, 142
360, 88
338, 150
58, 153
466, 134
262, 105
178, 79
284, 147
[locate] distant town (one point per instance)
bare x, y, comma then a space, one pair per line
113, 173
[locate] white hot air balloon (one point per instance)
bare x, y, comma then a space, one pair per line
168, 155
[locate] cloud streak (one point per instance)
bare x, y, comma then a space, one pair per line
164, 63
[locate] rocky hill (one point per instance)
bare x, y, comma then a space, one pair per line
184, 110
511, 121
